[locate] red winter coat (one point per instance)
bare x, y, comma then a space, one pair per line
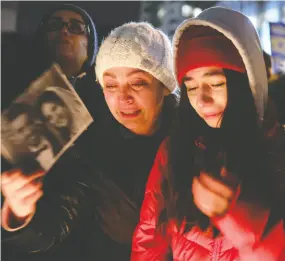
242, 228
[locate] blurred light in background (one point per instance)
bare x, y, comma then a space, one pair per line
9, 16
272, 15
186, 10
173, 16
160, 13
197, 11
167, 15
261, 13
253, 19
265, 37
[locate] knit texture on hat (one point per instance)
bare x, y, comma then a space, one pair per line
141, 46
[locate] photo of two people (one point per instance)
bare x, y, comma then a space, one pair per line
43, 122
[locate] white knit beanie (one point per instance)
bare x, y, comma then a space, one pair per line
137, 45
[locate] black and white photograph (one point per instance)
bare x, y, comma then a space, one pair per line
43, 122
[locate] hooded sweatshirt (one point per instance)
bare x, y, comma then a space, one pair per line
242, 227
243, 35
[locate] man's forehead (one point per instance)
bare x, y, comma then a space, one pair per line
67, 15
21, 119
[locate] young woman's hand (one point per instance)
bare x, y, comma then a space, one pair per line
212, 196
21, 192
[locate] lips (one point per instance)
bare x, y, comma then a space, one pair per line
130, 114
212, 115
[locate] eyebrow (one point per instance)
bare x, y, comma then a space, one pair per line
208, 74
110, 75
129, 74
135, 71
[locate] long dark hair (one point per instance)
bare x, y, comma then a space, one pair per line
240, 139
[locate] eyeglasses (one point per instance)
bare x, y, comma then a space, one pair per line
73, 26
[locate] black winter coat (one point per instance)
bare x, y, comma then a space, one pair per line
93, 195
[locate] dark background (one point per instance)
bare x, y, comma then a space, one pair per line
106, 14
16, 51
15, 45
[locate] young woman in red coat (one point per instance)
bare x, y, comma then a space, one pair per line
214, 192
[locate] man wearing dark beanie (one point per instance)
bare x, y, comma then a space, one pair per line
67, 35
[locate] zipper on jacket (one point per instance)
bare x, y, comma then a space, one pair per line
216, 249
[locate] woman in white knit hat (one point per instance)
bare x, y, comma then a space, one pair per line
134, 67
216, 188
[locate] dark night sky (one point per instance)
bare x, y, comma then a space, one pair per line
106, 14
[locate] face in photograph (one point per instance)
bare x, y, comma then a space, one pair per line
56, 114
24, 131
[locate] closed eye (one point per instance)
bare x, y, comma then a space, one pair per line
218, 85
110, 87
138, 85
190, 89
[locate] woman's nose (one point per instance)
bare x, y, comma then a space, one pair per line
125, 95
204, 97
